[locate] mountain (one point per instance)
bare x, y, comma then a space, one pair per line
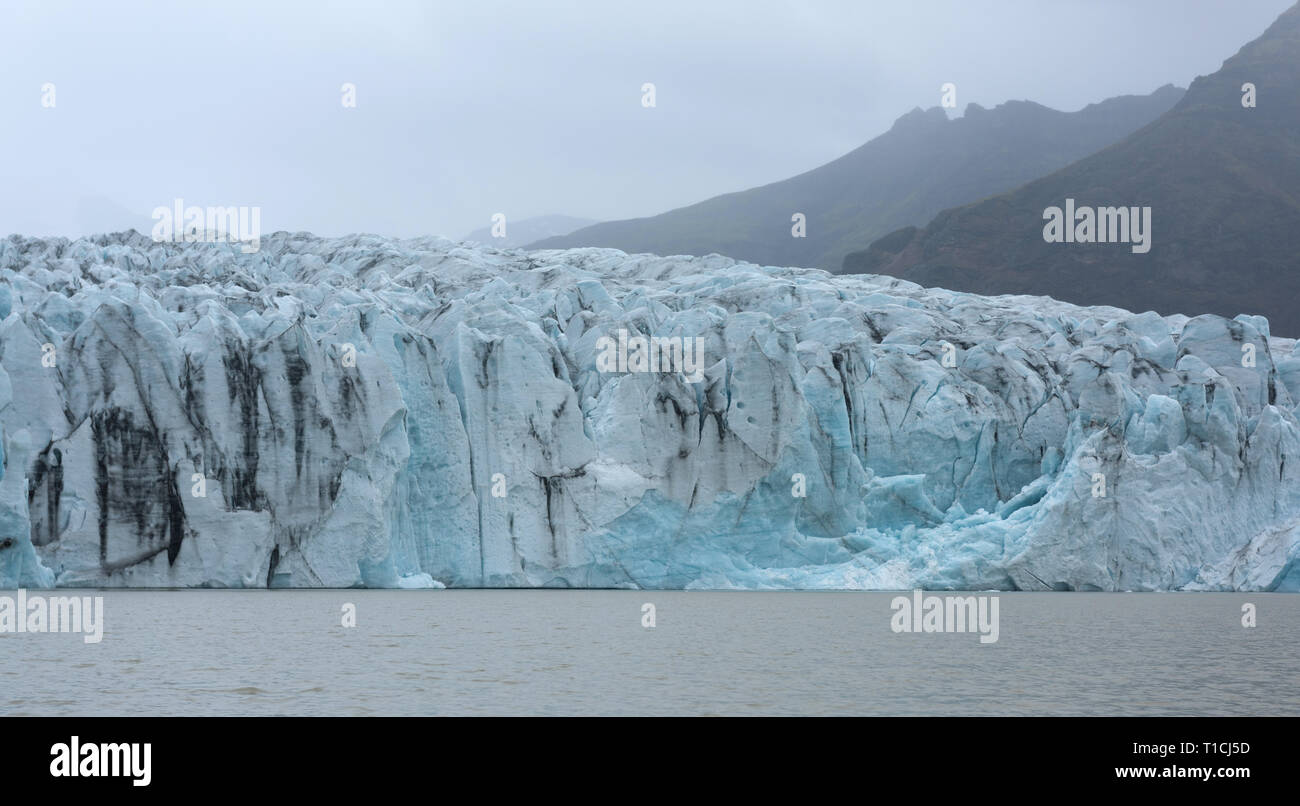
365, 411
1223, 184
101, 214
924, 164
527, 230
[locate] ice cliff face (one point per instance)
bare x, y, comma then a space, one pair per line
365, 411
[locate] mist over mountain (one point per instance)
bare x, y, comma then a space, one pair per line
527, 230
924, 164
1222, 180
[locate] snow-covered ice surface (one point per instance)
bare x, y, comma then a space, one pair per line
353, 404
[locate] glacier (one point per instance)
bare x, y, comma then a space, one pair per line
367, 411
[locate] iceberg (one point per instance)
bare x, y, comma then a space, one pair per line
366, 411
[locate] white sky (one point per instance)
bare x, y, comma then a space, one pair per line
470, 108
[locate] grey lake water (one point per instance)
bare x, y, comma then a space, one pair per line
179, 653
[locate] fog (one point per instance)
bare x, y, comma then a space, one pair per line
468, 109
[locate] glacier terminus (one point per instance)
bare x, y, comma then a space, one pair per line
366, 411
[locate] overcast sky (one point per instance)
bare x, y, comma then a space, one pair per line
465, 109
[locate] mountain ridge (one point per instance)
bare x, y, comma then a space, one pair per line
1223, 182
924, 163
